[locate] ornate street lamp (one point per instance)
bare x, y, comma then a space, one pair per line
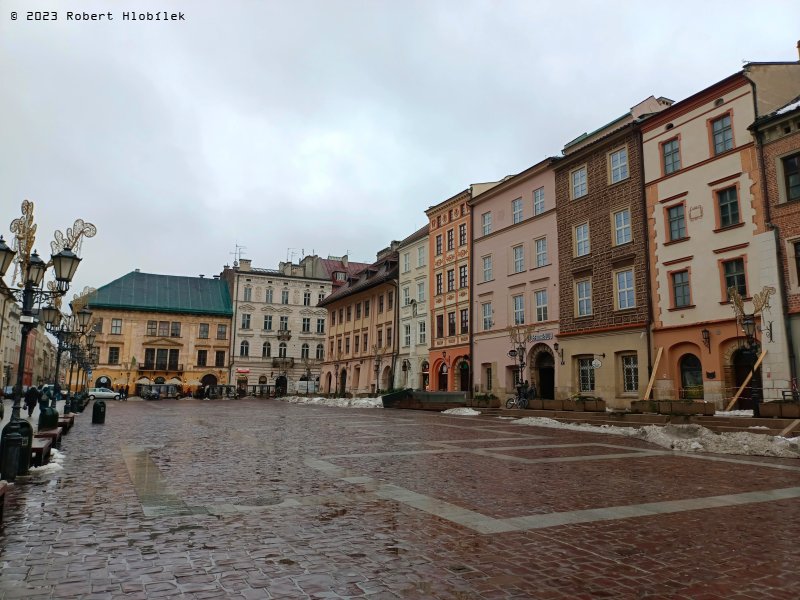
29, 272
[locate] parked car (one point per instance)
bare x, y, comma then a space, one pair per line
102, 393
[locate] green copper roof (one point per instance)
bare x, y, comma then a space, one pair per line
165, 293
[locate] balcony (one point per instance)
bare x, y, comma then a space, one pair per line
282, 363
284, 335
160, 367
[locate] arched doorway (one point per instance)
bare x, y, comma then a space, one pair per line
241, 385
386, 378
208, 380
442, 387
159, 380
463, 376
743, 361
424, 375
546, 374
342, 382
280, 385
103, 382
356, 377
691, 377
328, 379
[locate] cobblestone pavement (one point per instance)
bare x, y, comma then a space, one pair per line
264, 499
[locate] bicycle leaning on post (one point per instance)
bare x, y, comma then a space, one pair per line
518, 401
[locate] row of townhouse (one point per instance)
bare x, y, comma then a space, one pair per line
610, 265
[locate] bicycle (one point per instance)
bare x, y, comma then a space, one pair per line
518, 401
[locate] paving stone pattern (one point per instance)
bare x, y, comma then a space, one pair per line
262, 499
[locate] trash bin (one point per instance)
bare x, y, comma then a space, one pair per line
9, 461
99, 412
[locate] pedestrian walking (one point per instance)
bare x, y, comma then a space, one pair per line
31, 399
125, 397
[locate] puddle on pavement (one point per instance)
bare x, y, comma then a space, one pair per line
155, 495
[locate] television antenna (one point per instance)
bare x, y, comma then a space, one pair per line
237, 254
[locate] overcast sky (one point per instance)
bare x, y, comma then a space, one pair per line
324, 126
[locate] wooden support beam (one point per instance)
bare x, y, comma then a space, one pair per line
790, 427
653, 374
746, 380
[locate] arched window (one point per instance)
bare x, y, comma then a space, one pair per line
244, 348
320, 352
691, 377
304, 351
282, 350
266, 350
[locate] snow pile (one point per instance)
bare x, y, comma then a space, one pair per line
336, 402
55, 464
688, 438
734, 413
462, 410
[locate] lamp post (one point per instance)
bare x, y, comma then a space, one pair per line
30, 269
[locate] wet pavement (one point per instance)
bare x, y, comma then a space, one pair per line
264, 499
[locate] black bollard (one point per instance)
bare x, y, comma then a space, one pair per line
99, 412
9, 454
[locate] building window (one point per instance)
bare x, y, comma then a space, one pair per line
538, 201
540, 298
380, 304
462, 276
451, 323
582, 247
681, 291
622, 227
619, 165
268, 297
421, 256
728, 203
462, 234
113, 355
516, 210
439, 326
677, 223
626, 296
585, 375
341, 316
451, 280
438, 244
464, 320
734, 276
349, 313
519, 259
791, 176
355, 343
306, 324
219, 358
244, 348
203, 334
152, 325
149, 359
266, 350
116, 327
487, 268
390, 300
248, 293
202, 358
284, 324
406, 335
284, 296
578, 183
320, 352
222, 332
486, 223
282, 350
406, 296
304, 351
347, 345
364, 339
307, 298
797, 259
519, 309
339, 345
366, 308
584, 297
421, 291
450, 239
422, 332
630, 373
541, 252
723, 134
358, 311
486, 309
267, 322
406, 262
672, 156
98, 326
321, 297
380, 338
245, 321
163, 328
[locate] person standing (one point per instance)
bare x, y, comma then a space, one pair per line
31, 399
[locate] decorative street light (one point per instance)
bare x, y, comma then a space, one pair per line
30, 269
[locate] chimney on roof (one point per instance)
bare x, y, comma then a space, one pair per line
344, 261
202, 276
798, 49
244, 264
136, 270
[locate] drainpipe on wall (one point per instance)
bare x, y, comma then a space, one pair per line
396, 339
649, 322
233, 324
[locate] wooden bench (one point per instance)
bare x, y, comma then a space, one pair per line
53, 434
66, 422
3, 487
40, 451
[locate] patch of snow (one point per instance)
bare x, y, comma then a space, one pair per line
335, 402
687, 438
54, 466
508, 418
788, 108
758, 427
734, 413
462, 410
